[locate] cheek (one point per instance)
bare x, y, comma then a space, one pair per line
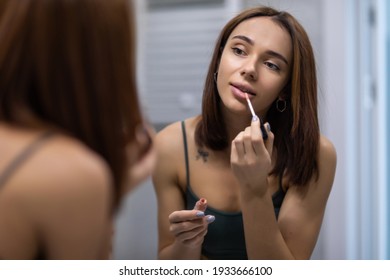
228, 64
270, 86
223, 75
228, 68
272, 90
271, 83
265, 101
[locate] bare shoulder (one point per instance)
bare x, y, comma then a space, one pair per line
62, 193
65, 177
79, 192
61, 165
170, 139
327, 161
69, 161
321, 186
327, 153
170, 164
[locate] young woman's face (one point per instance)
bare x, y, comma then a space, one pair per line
256, 59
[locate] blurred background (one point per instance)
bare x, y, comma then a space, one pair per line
351, 40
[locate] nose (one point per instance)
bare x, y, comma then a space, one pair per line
249, 70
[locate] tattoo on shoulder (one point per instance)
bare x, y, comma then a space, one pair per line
202, 154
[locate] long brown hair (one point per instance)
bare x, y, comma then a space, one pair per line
296, 129
71, 63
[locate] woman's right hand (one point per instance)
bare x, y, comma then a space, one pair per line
142, 157
251, 158
190, 226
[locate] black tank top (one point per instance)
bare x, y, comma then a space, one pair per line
225, 238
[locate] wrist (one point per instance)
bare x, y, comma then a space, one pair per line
187, 251
260, 190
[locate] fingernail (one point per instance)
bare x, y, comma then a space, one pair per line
200, 214
268, 127
210, 219
200, 203
255, 118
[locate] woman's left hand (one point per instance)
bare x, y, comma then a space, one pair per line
251, 158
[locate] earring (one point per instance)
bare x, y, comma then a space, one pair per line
281, 105
215, 76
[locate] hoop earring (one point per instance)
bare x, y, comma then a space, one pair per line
281, 105
215, 76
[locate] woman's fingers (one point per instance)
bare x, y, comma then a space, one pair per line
238, 144
253, 139
189, 226
185, 215
250, 143
190, 238
269, 144
201, 205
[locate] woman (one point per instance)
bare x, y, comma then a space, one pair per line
266, 185
72, 137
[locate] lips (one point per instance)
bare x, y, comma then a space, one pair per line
244, 89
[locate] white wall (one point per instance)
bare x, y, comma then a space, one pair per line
136, 225
336, 119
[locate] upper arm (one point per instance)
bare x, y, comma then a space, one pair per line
165, 179
302, 212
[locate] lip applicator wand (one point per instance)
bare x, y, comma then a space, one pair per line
250, 106
254, 117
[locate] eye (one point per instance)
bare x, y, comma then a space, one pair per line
272, 66
238, 51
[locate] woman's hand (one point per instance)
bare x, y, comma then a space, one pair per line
251, 158
141, 156
190, 226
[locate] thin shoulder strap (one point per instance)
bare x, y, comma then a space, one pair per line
183, 129
22, 156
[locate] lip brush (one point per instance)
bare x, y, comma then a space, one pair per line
250, 106
254, 117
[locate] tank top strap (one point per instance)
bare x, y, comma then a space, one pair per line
23, 156
183, 129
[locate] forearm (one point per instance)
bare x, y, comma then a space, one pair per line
177, 251
263, 237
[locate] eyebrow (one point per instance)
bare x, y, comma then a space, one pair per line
269, 52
